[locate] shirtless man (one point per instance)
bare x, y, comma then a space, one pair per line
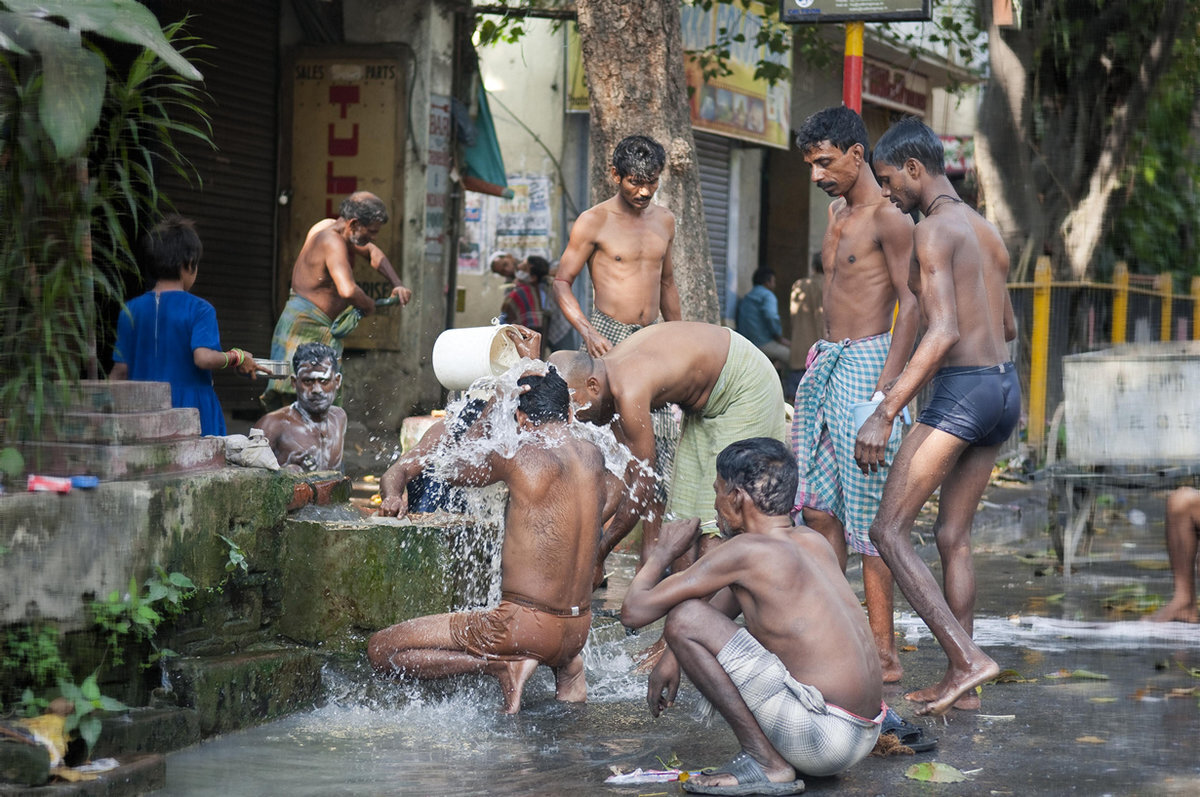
309, 434
626, 243
556, 495
326, 303
1183, 534
865, 258
958, 274
801, 696
728, 391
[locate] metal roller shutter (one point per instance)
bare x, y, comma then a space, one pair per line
234, 204
713, 154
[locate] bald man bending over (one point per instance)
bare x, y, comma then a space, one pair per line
725, 385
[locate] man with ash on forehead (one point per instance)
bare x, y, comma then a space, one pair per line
308, 435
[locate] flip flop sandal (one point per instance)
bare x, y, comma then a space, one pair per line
913, 737
751, 779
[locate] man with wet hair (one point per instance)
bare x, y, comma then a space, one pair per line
308, 435
865, 259
728, 391
959, 273
326, 303
556, 495
801, 697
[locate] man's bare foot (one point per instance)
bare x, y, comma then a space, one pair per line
968, 702
512, 676
647, 658
570, 685
957, 683
1177, 611
889, 664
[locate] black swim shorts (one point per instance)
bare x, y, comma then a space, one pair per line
979, 404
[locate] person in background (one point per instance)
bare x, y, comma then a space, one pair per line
523, 303
326, 303
808, 322
169, 335
758, 319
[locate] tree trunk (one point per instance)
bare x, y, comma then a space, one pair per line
633, 60
1066, 95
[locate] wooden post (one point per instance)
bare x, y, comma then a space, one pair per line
1039, 355
1164, 286
1120, 309
1195, 308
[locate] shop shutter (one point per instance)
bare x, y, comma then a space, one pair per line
234, 202
713, 154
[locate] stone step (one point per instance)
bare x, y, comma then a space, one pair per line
128, 427
103, 395
127, 461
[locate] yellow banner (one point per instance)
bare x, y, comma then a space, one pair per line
735, 105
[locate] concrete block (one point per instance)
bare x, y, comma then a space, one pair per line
147, 730
130, 427
245, 689
128, 461
23, 764
343, 581
103, 395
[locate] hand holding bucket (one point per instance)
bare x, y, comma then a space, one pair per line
460, 356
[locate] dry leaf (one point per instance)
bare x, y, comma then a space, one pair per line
1092, 740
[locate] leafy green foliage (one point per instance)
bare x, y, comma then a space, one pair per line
66, 224
237, 557
137, 614
30, 657
87, 700
1158, 229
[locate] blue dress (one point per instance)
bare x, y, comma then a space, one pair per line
156, 335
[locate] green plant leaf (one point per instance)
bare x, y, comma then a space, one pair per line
180, 580
12, 464
89, 689
112, 704
933, 772
89, 730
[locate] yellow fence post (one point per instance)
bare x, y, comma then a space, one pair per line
1195, 308
1039, 354
1120, 310
1164, 287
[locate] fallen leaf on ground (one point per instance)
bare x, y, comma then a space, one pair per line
1102, 700
1011, 676
1092, 740
1151, 564
1085, 675
908, 648
933, 772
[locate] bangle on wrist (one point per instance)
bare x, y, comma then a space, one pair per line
225, 354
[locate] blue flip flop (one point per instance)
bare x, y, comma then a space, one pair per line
751, 779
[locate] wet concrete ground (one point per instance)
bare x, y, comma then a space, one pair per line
1099, 702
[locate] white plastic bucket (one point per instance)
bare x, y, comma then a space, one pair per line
460, 356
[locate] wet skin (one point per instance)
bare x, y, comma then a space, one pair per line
309, 434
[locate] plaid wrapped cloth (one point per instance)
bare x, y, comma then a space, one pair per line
666, 428
815, 737
746, 401
840, 375
304, 322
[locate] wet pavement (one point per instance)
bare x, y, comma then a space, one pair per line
1096, 701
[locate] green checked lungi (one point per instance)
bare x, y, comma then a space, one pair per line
746, 401
838, 376
666, 429
304, 322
